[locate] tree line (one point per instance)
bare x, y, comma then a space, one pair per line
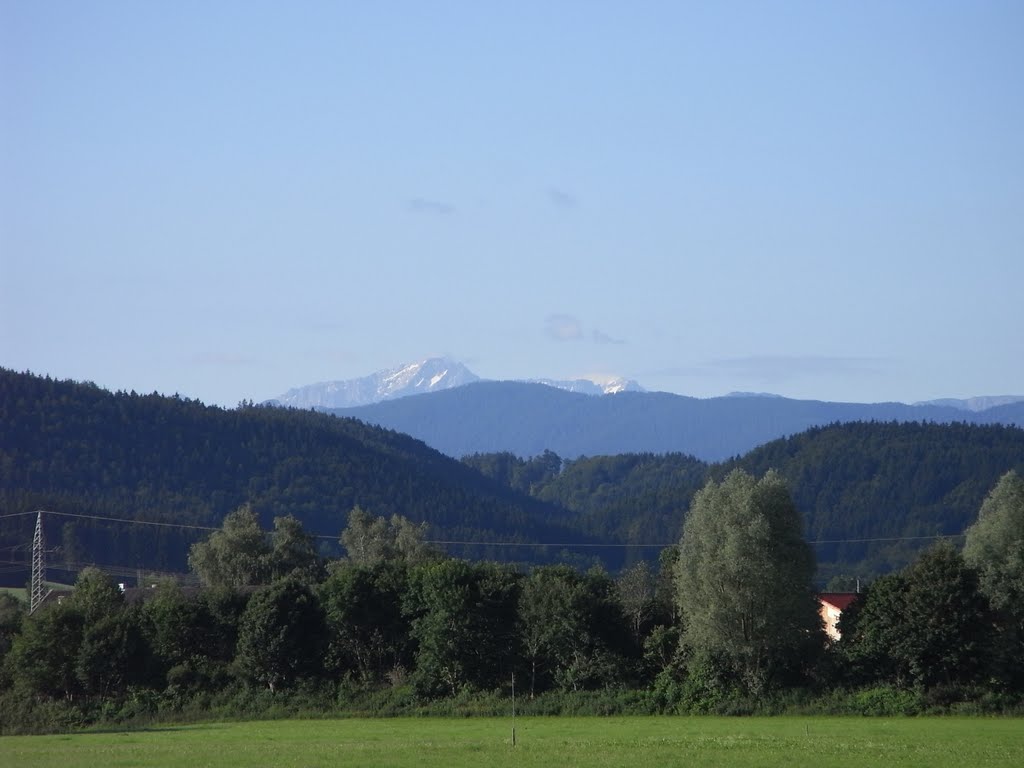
727, 622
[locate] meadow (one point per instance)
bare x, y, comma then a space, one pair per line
566, 741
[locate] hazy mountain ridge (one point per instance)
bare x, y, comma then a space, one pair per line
526, 419
437, 374
975, 404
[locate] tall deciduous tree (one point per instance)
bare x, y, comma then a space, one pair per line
370, 540
572, 631
42, 658
96, 595
745, 578
282, 635
367, 632
113, 654
995, 546
234, 556
293, 552
463, 616
634, 590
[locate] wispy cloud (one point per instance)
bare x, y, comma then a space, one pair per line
563, 327
429, 207
600, 337
561, 199
780, 367
784, 366
223, 360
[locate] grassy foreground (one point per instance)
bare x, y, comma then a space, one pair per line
577, 741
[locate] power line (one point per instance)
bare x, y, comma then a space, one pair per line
106, 518
517, 544
893, 538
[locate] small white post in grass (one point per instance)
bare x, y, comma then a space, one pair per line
513, 709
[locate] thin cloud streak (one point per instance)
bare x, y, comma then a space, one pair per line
561, 327
427, 207
600, 337
782, 366
224, 360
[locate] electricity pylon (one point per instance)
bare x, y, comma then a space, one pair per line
38, 566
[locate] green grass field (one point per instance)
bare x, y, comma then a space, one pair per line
22, 594
19, 592
556, 741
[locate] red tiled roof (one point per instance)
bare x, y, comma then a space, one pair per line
840, 600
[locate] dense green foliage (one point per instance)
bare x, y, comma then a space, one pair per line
995, 545
637, 498
925, 626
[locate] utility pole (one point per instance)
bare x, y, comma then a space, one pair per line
38, 566
513, 709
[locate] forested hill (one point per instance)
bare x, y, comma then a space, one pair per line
527, 419
72, 447
76, 448
851, 481
876, 481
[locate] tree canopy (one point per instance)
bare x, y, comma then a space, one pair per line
995, 545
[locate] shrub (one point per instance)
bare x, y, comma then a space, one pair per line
886, 701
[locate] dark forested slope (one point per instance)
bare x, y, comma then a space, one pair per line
72, 447
890, 481
878, 481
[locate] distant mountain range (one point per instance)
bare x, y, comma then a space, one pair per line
976, 404
434, 374
527, 419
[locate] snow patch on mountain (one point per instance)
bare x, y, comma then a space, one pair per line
589, 387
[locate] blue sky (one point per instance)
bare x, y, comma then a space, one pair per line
226, 200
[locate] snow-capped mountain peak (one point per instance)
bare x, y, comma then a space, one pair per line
614, 386
430, 375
